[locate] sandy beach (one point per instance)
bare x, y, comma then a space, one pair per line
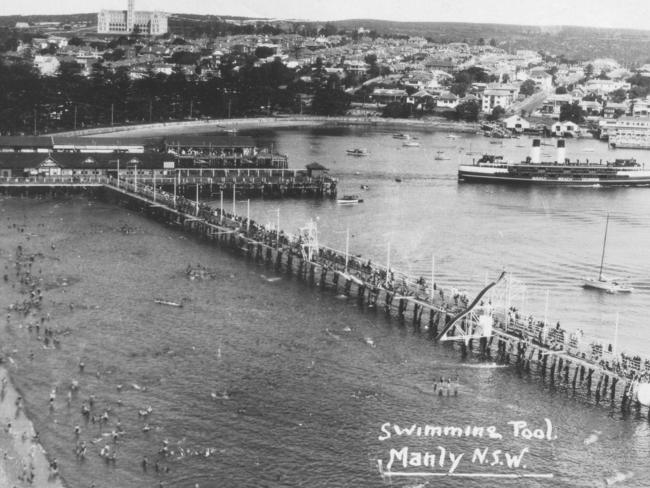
24, 461
162, 128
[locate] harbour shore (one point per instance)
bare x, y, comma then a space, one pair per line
161, 128
24, 461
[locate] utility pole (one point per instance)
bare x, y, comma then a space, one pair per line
112, 106
150, 110
229, 104
277, 232
75, 116
34, 120
191, 101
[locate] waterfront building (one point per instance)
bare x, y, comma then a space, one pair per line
565, 129
187, 151
626, 131
387, 95
131, 21
222, 152
516, 123
82, 165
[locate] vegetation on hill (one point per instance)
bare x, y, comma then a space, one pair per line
30, 103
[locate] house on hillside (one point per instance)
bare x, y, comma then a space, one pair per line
614, 110
448, 100
388, 95
553, 104
542, 79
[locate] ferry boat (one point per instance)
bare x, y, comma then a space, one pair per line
561, 172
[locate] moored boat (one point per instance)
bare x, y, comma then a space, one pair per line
345, 199
440, 156
357, 152
560, 172
602, 282
606, 284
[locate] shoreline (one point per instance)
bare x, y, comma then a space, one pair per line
23, 456
438, 124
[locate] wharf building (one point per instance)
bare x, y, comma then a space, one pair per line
26, 156
130, 21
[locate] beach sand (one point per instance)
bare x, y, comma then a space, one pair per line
21, 453
198, 126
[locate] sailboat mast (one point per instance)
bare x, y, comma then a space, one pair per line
602, 257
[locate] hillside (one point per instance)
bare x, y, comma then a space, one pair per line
575, 43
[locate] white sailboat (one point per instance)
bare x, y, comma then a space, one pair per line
602, 282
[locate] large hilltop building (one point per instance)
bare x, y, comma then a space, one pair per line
130, 21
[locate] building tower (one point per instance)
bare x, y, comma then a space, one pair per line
129, 16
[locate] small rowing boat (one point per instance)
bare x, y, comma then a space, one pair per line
160, 301
346, 199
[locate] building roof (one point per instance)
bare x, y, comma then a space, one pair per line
493, 92
16, 160
210, 141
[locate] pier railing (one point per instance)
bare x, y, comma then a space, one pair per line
55, 180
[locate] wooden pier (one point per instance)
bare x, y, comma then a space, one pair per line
488, 327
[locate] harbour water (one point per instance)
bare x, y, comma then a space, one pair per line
264, 382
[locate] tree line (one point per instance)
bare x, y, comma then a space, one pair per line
34, 104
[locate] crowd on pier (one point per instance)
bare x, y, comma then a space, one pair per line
557, 338
529, 328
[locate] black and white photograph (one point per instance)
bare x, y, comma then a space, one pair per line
324, 244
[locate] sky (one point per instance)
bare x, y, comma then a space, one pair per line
597, 13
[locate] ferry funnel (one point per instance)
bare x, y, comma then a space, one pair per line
561, 151
534, 152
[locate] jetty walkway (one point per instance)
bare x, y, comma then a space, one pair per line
489, 326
